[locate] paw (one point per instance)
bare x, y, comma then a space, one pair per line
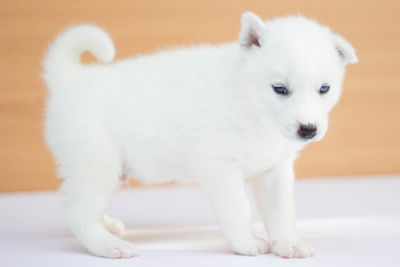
250, 247
114, 248
292, 248
115, 226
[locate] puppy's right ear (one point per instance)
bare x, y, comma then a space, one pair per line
252, 29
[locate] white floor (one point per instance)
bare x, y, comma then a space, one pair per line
349, 221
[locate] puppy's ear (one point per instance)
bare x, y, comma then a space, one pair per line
251, 32
345, 50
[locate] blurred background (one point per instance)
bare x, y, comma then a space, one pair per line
365, 126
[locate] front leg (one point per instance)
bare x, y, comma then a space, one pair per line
229, 201
274, 196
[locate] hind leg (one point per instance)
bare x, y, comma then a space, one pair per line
86, 191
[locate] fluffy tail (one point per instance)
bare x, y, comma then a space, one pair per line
64, 54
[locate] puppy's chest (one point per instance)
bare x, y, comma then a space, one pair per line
260, 154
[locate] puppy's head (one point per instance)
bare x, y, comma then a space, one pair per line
294, 69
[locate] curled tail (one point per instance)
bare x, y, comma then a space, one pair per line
65, 52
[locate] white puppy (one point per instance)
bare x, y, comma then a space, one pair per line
214, 115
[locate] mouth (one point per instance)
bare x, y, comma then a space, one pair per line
307, 138
314, 138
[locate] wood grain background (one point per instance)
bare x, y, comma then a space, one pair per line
365, 128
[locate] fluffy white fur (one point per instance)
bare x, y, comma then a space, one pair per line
206, 114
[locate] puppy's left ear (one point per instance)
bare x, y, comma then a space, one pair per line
252, 29
344, 50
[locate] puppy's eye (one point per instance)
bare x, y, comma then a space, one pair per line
281, 90
324, 89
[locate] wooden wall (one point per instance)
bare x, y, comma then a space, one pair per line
365, 132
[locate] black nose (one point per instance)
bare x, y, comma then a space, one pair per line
307, 131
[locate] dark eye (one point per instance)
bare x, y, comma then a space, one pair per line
281, 90
324, 89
